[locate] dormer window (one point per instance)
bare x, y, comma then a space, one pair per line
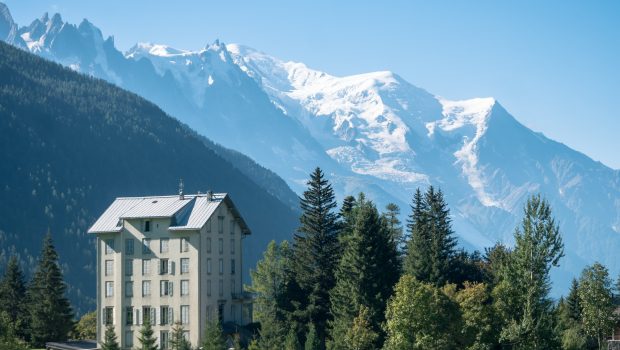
147, 226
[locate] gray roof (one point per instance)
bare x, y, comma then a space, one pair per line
189, 213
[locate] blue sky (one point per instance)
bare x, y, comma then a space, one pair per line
555, 65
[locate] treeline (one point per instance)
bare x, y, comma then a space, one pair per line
356, 279
34, 312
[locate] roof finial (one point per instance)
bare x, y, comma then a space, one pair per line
181, 196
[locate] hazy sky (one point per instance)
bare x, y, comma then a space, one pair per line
555, 65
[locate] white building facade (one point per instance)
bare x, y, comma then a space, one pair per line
169, 259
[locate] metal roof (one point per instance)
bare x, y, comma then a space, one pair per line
189, 213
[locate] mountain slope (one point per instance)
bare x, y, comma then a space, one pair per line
70, 144
372, 132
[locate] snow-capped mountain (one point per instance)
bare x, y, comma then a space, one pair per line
371, 132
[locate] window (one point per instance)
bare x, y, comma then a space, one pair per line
165, 288
209, 316
129, 246
146, 288
184, 287
232, 227
220, 243
146, 246
232, 266
148, 315
208, 266
128, 289
109, 246
163, 266
184, 265
164, 340
186, 335
165, 315
129, 315
221, 288
109, 289
163, 245
232, 246
208, 244
128, 339
208, 288
184, 314
232, 286
108, 315
233, 312
184, 244
220, 224
147, 226
146, 267
209, 225
221, 266
128, 267
109, 267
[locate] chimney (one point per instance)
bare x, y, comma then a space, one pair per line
181, 196
209, 195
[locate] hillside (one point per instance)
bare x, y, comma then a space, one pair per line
69, 144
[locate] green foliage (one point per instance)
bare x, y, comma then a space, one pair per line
147, 340
361, 335
573, 303
177, 338
392, 212
315, 252
292, 341
573, 339
110, 341
213, 338
51, 317
86, 328
420, 316
431, 249
9, 339
480, 327
366, 273
13, 298
522, 295
596, 301
312, 340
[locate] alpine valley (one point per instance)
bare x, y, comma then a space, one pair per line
372, 132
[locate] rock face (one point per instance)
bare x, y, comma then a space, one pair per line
371, 132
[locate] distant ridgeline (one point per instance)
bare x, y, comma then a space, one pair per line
70, 144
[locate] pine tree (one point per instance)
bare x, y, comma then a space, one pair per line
177, 338
522, 295
572, 302
316, 251
312, 340
110, 341
13, 297
51, 317
361, 335
392, 212
596, 300
292, 341
214, 336
366, 274
146, 339
417, 261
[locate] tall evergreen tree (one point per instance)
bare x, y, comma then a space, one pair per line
292, 341
51, 317
522, 296
596, 300
392, 212
147, 339
312, 340
431, 248
177, 338
573, 305
13, 297
316, 251
110, 341
361, 335
366, 274
213, 338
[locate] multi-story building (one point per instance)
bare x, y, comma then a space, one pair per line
169, 259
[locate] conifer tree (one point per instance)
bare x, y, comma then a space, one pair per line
316, 251
214, 336
417, 261
522, 295
51, 317
146, 339
292, 341
13, 297
573, 304
392, 212
312, 340
110, 341
177, 338
361, 335
366, 274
